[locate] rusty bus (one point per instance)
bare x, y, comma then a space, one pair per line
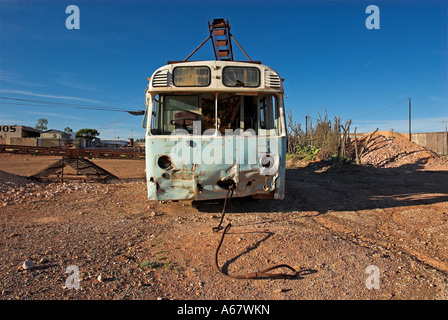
212, 126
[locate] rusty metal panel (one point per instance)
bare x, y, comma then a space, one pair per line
190, 177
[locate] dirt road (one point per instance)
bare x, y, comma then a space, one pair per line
337, 225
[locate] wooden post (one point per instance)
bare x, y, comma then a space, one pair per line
358, 161
410, 119
306, 128
343, 144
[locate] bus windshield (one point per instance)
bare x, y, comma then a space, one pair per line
202, 112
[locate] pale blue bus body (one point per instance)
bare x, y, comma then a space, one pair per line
211, 125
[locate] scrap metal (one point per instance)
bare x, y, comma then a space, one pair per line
83, 167
69, 152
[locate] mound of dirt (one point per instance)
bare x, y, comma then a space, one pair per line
385, 152
393, 134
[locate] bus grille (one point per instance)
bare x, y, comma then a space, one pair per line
161, 79
272, 79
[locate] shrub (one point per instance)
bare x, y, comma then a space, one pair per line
307, 153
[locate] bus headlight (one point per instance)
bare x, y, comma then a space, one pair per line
164, 162
268, 165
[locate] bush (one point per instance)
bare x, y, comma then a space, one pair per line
320, 141
307, 153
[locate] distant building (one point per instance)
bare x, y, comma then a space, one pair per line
139, 144
55, 134
114, 143
18, 135
57, 138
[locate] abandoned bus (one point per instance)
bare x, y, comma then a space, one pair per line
215, 125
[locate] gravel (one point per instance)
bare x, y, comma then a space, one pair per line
335, 222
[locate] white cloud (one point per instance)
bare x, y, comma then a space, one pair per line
13, 121
438, 99
52, 114
68, 80
15, 78
34, 94
74, 85
438, 52
21, 82
417, 125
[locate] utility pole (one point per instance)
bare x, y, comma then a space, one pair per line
446, 125
306, 129
409, 119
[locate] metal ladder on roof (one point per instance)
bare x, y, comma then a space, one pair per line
221, 39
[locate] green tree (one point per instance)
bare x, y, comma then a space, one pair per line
88, 134
41, 124
68, 129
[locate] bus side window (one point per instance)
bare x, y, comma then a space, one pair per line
144, 120
155, 116
148, 114
268, 112
250, 112
208, 111
263, 114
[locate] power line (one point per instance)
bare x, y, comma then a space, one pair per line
371, 113
46, 106
113, 124
381, 110
61, 103
110, 123
51, 104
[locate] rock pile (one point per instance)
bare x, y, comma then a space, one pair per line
385, 152
17, 189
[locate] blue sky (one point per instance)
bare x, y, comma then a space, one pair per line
329, 59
